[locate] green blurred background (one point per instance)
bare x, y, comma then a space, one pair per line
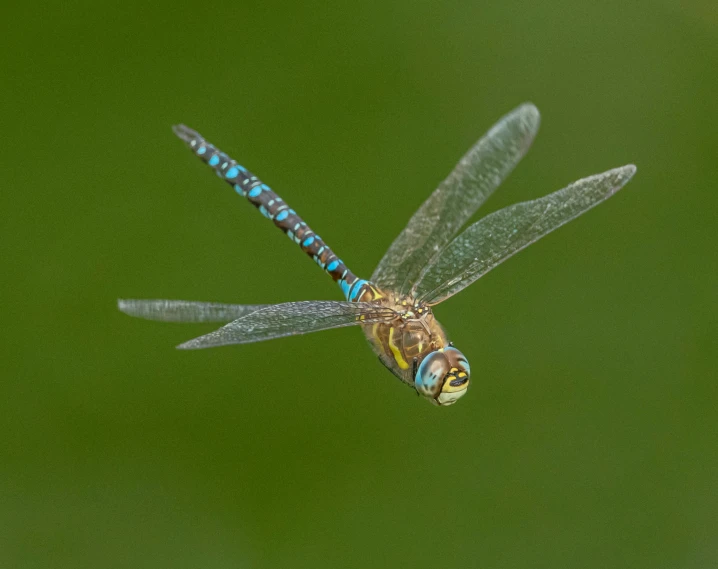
589, 437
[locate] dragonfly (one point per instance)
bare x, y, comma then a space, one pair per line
424, 266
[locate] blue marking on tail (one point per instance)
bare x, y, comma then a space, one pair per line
356, 289
248, 185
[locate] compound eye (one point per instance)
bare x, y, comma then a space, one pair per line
457, 360
456, 381
430, 375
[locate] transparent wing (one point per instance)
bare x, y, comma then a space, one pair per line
289, 319
457, 198
186, 310
495, 238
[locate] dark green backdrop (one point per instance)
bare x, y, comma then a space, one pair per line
589, 436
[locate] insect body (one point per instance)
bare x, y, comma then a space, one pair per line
424, 266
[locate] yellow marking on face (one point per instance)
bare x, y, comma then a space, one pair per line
394, 350
448, 388
462, 374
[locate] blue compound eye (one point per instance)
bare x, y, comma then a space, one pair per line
458, 360
430, 375
443, 376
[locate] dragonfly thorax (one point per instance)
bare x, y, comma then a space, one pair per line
415, 348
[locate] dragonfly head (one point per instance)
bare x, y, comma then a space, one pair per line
443, 376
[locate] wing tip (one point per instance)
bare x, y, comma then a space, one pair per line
630, 169
529, 113
529, 108
527, 119
610, 181
624, 175
135, 308
124, 305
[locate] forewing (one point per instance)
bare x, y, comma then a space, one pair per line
289, 319
186, 310
457, 198
498, 236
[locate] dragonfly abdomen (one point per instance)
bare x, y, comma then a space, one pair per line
274, 208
